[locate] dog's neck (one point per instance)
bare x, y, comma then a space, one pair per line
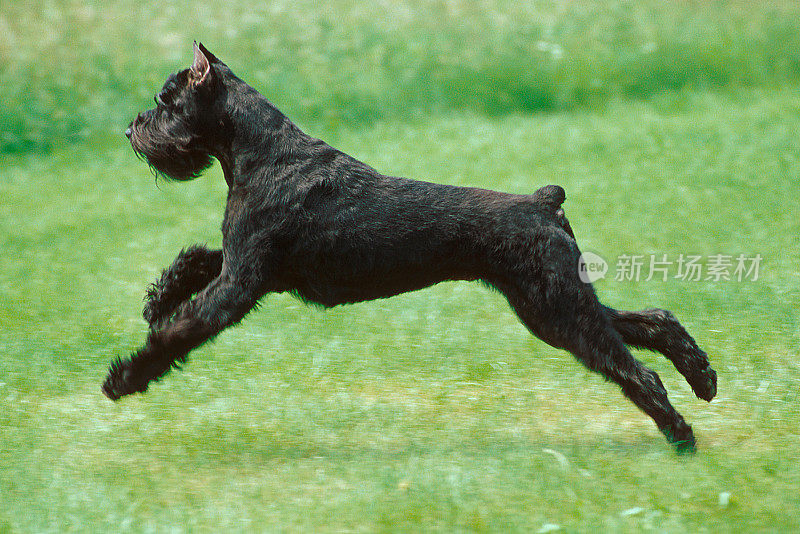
256, 135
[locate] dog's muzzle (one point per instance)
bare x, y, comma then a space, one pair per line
135, 123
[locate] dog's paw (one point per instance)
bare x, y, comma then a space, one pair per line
704, 383
681, 437
688, 446
120, 381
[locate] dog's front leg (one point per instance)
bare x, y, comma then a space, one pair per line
222, 303
193, 269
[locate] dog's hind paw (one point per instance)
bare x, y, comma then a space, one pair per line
704, 383
681, 437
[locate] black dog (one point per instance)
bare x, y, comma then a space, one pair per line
305, 218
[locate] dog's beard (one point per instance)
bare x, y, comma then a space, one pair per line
170, 156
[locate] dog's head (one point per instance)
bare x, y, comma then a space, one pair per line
178, 137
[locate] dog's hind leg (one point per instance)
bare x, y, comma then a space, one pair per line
659, 330
193, 269
222, 303
566, 314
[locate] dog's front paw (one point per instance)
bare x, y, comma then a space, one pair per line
121, 381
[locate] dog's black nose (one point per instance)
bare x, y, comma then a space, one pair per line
128, 133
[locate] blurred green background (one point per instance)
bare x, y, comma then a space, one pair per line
71, 70
673, 128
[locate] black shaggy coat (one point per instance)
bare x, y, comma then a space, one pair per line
306, 218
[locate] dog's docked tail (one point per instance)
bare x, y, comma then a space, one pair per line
551, 197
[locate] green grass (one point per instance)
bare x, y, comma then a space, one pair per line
72, 69
431, 411
672, 126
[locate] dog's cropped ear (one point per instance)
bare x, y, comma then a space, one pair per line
211, 57
200, 71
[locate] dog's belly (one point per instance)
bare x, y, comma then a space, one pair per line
356, 283
355, 274
358, 291
335, 295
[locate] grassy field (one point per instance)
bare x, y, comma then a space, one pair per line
432, 411
73, 68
